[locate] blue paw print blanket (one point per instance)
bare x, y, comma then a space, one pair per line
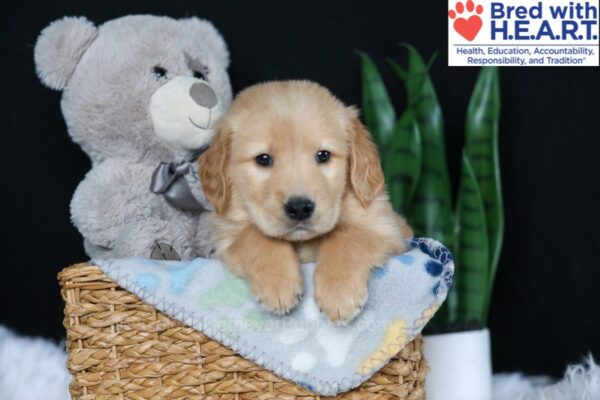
301, 346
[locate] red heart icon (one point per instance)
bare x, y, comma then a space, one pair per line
468, 28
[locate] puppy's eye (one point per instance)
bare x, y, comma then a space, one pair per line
264, 160
159, 72
323, 156
200, 75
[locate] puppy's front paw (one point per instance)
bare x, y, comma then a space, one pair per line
340, 297
280, 291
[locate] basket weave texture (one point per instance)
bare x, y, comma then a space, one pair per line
122, 348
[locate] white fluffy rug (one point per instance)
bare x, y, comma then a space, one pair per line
580, 382
34, 368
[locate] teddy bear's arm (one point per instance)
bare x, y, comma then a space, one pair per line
109, 197
118, 216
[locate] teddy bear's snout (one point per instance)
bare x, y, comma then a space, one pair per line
203, 95
183, 111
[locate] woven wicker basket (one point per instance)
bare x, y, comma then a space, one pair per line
122, 348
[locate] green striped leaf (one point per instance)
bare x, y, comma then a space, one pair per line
402, 166
481, 145
379, 114
471, 248
431, 206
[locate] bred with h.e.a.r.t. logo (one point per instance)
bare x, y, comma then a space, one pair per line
469, 25
523, 33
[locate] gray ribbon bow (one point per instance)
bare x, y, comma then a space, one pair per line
169, 179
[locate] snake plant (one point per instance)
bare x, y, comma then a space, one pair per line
413, 157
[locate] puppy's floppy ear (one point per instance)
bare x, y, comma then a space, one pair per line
213, 164
366, 175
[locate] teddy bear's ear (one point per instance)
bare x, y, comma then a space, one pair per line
59, 48
206, 32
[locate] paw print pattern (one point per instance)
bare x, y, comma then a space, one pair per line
438, 265
433, 249
469, 25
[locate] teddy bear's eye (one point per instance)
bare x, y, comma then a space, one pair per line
159, 72
200, 75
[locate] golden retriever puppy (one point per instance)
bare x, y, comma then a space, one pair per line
295, 177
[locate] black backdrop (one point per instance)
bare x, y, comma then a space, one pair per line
546, 306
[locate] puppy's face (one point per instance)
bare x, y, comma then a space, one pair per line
284, 153
288, 167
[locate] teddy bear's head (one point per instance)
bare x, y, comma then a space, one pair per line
138, 87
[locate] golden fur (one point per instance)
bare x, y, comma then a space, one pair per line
353, 227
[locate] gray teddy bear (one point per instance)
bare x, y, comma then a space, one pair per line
140, 95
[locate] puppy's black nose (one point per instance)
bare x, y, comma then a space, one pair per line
299, 208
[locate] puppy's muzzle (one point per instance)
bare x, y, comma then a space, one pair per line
299, 208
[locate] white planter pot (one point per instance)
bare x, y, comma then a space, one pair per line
460, 366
